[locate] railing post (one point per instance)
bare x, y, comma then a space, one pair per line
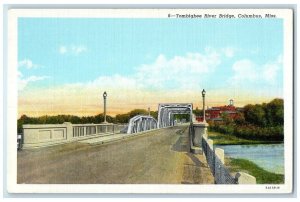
210, 143
197, 130
69, 130
220, 154
219, 160
205, 136
244, 178
84, 130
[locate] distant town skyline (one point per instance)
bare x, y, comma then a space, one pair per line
65, 64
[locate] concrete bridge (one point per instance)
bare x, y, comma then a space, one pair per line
144, 151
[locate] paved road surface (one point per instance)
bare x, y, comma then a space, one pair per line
158, 157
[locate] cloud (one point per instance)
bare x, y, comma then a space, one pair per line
28, 64
72, 49
78, 49
229, 51
23, 82
115, 81
62, 50
271, 70
166, 79
188, 71
246, 71
179, 71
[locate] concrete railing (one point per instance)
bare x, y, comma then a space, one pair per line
215, 157
41, 135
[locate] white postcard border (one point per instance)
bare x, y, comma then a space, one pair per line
12, 101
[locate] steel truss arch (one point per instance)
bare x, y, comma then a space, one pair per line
167, 111
141, 123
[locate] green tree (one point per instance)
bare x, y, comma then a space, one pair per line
198, 112
240, 119
275, 112
182, 116
226, 118
122, 118
255, 114
138, 112
154, 114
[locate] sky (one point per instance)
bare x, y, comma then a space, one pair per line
65, 64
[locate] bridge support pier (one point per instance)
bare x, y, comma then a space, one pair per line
198, 130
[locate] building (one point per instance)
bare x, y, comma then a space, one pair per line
215, 113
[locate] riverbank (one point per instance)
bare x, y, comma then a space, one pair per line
227, 139
262, 176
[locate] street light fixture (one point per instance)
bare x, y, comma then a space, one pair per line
203, 97
104, 94
104, 98
203, 93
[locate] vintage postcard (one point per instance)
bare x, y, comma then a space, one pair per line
150, 101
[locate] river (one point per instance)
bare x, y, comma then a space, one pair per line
268, 156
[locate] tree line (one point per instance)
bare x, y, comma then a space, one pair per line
119, 118
256, 122
59, 119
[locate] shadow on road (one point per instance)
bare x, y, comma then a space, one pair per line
195, 160
180, 145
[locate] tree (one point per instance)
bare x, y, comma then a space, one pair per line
198, 112
240, 119
275, 112
138, 112
182, 116
255, 114
22, 120
122, 118
226, 118
154, 114
99, 118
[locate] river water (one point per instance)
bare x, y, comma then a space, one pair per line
267, 156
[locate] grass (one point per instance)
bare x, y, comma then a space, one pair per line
226, 139
262, 176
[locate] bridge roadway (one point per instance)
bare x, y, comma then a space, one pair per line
160, 156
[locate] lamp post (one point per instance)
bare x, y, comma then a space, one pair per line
203, 97
149, 111
104, 98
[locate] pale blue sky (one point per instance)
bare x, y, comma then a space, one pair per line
244, 54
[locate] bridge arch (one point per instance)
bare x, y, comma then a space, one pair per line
141, 123
167, 111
